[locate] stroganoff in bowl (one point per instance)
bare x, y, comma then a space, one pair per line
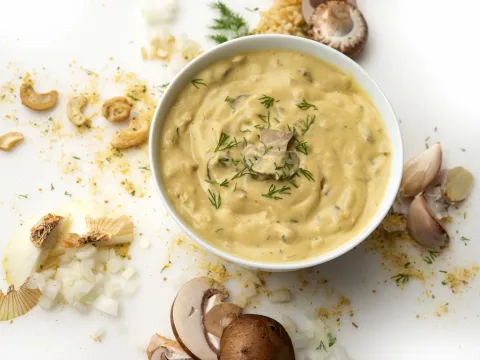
274, 156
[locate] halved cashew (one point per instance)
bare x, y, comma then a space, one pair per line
36, 101
9, 140
74, 110
116, 109
135, 134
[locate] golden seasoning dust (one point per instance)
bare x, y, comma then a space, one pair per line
217, 272
459, 278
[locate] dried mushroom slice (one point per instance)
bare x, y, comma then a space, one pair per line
17, 302
42, 229
36, 101
75, 241
276, 139
9, 140
339, 25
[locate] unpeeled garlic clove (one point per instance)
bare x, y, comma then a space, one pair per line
458, 184
423, 227
420, 171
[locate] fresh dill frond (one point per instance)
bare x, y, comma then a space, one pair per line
305, 173
266, 118
302, 147
401, 279
224, 183
197, 82
307, 123
304, 105
228, 99
272, 191
267, 101
430, 258
222, 145
230, 25
215, 199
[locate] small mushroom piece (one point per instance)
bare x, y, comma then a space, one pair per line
458, 184
308, 6
74, 110
276, 139
42, 229
219, 317
187, 314
117, 109
339, 25
238, 101
255, 337
9, 140
161, 348
423, 227
420, 171
36, 101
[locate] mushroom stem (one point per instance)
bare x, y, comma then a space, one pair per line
339, 22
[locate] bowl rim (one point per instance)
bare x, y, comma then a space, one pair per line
388, 197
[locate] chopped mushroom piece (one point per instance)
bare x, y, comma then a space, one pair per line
9, 140
42, 229
256, 337
36, 101
161, 348
276, 139
339, 25
219, 317
270, 162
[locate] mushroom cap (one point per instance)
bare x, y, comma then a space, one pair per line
309, 6
339, 25
255, 337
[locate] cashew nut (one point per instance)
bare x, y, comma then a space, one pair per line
74, 110
135, 134
116, 109
36, 101
9, 140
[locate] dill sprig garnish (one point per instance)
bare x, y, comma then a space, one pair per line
272, 190
197, 82
215, 199
401, 278
430, 258
228, 99
302, 147
221, 145
224, 183
307, 123
304, 105
305, 173
266, 118
245, 171
267, 101
230, 25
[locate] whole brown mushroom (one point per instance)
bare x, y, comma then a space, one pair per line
255, 337
339, 25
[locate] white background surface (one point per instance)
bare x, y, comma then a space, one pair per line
423, 54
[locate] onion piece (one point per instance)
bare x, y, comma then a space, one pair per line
106, 305
279, 296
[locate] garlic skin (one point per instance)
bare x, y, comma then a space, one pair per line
423, 227
420, 171
458, 184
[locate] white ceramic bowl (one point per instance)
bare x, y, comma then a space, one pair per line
262, 42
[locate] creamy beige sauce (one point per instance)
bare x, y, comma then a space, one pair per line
227, 202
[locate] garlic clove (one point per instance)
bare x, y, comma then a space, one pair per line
420, 171
458, 184
423, 227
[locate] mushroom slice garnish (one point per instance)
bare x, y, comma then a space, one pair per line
309, 6
219, 317
423, 227
161, 348
339, 25
276, 139
238, 101
103, 231
256, 337
277, 164
187, 314
17, 302
458, 184
9, 140
420, 171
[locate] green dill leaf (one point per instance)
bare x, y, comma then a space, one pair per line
222, 145
66, 193
252, 10
229, 24
267, 101
224, 183
146, 168
302, 147
219, 39
307, 123
401, 279
273, 191
25, 196
76, 158
197, 82
305, 105
306, 173
215, 199
331, 339
229, 99
52, 187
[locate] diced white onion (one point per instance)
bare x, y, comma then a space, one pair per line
130, 288
106, 305
45, 302
102, 256
145, 244
81, 308
85, 252
82, 288
128, 273
279, 296
88, 264
36, 281
113, 289
288, 324
51, 288
249, 289
114, 265
49, 273
159, 11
